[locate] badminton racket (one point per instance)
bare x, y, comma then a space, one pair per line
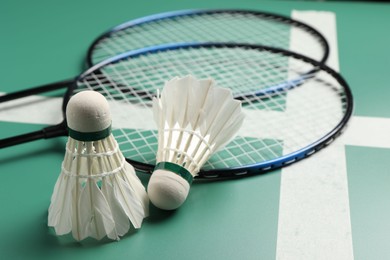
239, 26
280, 128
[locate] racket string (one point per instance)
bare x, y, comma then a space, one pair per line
218, 70
299, 109
210, 27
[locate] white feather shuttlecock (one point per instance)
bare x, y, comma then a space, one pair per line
194, 118
97, 193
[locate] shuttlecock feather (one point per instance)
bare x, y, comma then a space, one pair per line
97, 193
194, 118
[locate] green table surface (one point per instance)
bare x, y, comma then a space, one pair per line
43, 41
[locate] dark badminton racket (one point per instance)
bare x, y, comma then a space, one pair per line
238, 26
280, 128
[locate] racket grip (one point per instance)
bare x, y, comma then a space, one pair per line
48, 132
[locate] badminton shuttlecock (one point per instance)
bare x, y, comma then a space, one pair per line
97, 193
195, 118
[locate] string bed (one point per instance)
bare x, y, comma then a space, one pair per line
282, 125
239, 26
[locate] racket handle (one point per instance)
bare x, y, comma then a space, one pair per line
36, 90
45, 133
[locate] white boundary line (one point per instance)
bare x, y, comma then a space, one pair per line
314, 215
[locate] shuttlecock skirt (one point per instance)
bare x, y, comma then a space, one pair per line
97, 193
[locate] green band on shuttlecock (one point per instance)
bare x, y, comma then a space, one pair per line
179, 170
88, 137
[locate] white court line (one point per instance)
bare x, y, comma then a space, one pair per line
314, 215
361, 131
32, 110
368, 131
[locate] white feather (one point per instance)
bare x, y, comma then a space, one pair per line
60, 210
129, 201
94, 214
132, 180
160, 121
197, 100
122, 223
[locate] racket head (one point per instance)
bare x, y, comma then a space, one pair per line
280, 128
219, 25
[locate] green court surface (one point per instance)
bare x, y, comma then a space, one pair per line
286, 214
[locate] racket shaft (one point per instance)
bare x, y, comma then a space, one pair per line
36, 90
48, 132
